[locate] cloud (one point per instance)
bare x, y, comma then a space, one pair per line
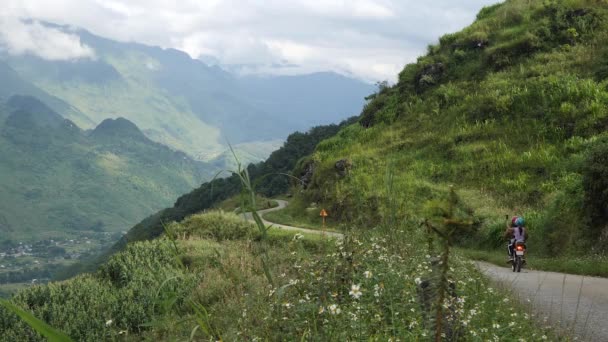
20, 37
370, 39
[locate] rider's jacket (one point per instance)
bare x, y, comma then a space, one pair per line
517, 234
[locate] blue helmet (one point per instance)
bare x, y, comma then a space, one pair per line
520, 222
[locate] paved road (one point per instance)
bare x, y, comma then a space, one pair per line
283, 204
572, 303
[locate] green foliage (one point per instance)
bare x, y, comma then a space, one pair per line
359, 287
119, 300
268, 178
595, 185
563, 226
42, 328
215, 225
487, 11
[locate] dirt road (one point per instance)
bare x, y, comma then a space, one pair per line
283, 204
575, 304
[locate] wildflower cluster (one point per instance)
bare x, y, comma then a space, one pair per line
363, 287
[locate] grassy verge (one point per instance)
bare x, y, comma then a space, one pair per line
589, 266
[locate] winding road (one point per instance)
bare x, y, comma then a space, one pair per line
577, 305
283, 204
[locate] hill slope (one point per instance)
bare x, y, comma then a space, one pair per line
56, 178
512, 111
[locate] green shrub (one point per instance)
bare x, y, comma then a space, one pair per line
128, 292
562, 226
215, 225
595, 185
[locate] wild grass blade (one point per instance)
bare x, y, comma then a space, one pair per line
50, 333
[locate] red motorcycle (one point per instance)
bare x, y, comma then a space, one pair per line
519, 256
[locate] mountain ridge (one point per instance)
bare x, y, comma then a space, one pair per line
71, 170
183, 103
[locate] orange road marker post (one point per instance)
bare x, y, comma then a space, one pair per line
323, 214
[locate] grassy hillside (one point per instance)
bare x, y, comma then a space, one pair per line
56, 179
208, 283
512, 111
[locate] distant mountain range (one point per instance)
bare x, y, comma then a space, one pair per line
101, 143
56, 178
179, 101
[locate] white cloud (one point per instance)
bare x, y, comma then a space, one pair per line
371, 39
355, 8
21, 37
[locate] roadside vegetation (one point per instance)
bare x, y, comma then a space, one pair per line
208, 283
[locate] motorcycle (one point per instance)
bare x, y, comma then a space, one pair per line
519, 256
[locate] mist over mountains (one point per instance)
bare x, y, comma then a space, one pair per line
179, 101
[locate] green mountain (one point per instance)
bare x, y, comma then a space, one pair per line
183, 103
57, 179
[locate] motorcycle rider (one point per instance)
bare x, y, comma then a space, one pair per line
516, 232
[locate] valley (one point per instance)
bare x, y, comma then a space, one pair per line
32, 263
94, 145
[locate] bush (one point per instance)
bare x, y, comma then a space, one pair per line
563, 225
215, 225
595, 185
120, 299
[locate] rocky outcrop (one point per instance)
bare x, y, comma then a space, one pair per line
307, 174
429, 76
342, 166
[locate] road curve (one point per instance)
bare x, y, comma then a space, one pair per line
283, 204
574, 304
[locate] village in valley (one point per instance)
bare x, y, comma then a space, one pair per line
26, 263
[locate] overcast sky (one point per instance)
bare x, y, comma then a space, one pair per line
369, 39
